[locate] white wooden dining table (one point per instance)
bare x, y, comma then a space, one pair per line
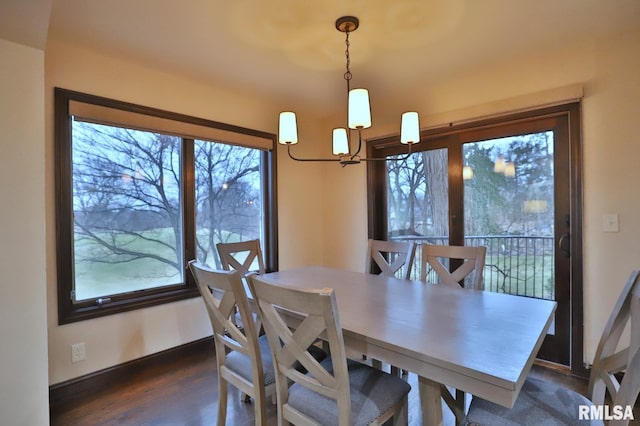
480, 342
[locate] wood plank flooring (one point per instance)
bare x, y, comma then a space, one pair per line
185, 393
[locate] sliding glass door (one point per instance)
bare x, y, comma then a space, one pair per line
504, 185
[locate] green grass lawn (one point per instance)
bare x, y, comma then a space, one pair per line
99, 272
114, 274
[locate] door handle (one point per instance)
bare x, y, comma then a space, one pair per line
564, 244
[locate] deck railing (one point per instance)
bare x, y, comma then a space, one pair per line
515, 264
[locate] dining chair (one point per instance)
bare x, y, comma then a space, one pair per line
231, 256
335, 391
243, 359
437, 258
389, 257
241, 256
550, 403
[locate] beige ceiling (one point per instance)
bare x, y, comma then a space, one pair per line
290, 49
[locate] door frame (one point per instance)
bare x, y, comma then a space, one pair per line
437, 137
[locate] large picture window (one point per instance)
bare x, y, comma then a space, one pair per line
141, 191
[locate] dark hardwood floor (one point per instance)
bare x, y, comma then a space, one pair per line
184, 392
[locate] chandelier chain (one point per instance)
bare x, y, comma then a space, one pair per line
347, 74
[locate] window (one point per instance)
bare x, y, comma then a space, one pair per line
142, 191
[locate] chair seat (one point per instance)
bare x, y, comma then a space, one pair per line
241, 364
372, 393
540, 403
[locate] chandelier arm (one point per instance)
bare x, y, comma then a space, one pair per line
309, 159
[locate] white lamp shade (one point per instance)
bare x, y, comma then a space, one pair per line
359, 109
510, 170
340, 142
410, 128
535, 206
467, 173
288, 129
498, 166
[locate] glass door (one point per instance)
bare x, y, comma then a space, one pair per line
510, 188
505, 186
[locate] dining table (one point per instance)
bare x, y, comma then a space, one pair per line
483, 343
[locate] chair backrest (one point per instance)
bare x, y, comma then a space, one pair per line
224, 294
390, 257
437, 258
319, 317
231, 256
611, 357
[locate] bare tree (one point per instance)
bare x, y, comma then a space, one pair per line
437, 179
418, 195
126, 182
127, 195
227, 196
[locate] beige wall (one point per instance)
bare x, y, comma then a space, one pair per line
611, 151
24, 395
322, 207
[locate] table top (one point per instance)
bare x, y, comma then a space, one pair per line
480, 342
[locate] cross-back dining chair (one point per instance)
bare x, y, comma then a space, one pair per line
243, 359
549, 403
241, 256
335, 391
437, 258
390, 257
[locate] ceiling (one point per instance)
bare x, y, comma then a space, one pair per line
290, 49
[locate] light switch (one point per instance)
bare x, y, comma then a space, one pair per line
610, 222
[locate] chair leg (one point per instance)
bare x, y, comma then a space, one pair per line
395, 371
222, 401
456, 404
460, 408
401, 417
259, 407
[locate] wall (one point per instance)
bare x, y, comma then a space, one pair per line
24, 398
119, 338
611, 149
608, 70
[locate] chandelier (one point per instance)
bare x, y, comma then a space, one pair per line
359, 117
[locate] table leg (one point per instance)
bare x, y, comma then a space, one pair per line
430, 401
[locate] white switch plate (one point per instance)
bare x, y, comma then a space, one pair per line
610, 222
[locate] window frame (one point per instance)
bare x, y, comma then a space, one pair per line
70, 311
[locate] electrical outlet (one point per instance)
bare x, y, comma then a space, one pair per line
78, 352
610, 222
